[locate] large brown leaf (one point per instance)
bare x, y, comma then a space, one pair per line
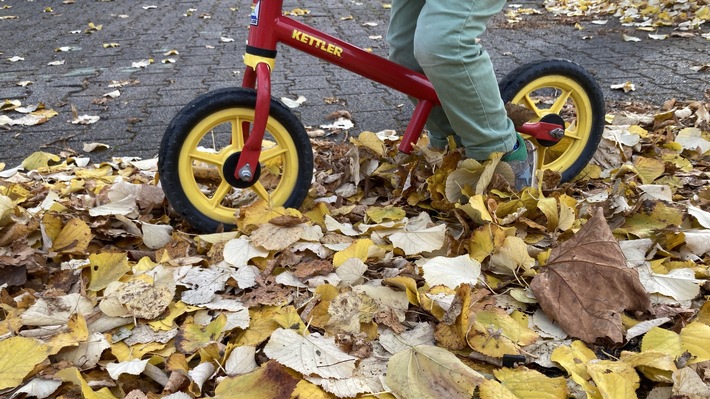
587, 284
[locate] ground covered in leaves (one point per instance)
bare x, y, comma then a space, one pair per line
405, 276
402, 276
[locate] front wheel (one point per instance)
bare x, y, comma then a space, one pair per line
568, 90
201, 147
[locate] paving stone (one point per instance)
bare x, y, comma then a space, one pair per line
134, 123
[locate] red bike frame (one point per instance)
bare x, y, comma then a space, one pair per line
269, 28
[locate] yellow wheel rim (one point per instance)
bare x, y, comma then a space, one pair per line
208, 146
557, 94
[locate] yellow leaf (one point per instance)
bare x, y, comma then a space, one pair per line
192, 336
107, 268
18, 357
175, 310
615, 380
425, 371
73, 375
476, 209
360, 249
496, 333
662, 340
262, 325
289, 318
511, 256
104, 172
428, 300
271, 380
656, 366
39, 160
7, 208
695, 338
548, 206
574, 358
524, 383
378, 214
260, 212
319, 316
645, 223
78, 332
704, 314
486, 239
491, 167
408, 285
74, 238
124, 353
306, 390
371, 141
452, 333
492, 389
649, 169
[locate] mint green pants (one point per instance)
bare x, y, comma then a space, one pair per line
438, 38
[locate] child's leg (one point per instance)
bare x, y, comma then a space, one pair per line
400, 37
462, 74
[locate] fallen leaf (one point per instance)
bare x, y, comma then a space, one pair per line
615, 380
241, 360
451, 272
688, 384
626, 86
293, 103
418, 237
85, 120
680, 284
271, 380
523, 383
425, 371
19, 356
73, 375
312, 354
133, 367
106, 268
586, 284
39, 388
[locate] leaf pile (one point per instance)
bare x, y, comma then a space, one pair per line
401, 276
683, 15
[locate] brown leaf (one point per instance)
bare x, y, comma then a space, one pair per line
519, 114
587, 284
313, 268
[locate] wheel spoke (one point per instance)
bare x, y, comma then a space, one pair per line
207, 157
219, 194
260, 190
238, 129
529, 103
572, 135
560, 102
272, 153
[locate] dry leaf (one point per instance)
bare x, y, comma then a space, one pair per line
586, 284
19, 356
430, 372
312, 354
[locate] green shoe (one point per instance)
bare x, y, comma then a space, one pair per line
523, 161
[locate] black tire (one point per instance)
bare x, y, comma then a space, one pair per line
584, 110
213, 119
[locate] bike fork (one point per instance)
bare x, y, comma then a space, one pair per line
260, 75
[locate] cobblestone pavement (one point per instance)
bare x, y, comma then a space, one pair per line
133, 123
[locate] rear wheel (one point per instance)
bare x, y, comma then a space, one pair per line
202, 145
558, 87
